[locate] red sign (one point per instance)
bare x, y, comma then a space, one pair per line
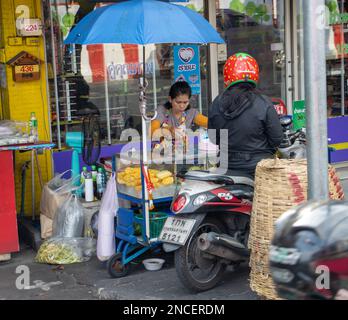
280, 107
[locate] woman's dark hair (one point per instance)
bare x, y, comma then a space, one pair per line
177, 89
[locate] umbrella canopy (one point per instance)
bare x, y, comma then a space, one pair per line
143, 22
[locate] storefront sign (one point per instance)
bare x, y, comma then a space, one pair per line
187, 66
25, 67
29, 27
299, 114
277, 46
122, 71
222, 52
338, 18
32, 41
15, 41
280, 106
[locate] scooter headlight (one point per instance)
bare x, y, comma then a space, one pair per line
200, 200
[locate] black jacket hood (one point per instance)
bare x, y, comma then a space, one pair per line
235, 100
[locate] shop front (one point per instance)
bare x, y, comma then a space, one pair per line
66, 84
106, 76
23, 90
336, 71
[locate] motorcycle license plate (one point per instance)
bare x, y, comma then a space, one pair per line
176, 230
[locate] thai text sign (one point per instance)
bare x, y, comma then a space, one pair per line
299, 114
187, 66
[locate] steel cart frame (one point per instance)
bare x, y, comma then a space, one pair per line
128, 245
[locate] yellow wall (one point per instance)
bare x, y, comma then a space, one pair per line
19, 99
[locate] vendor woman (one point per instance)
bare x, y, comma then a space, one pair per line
177, 113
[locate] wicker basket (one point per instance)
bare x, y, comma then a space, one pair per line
279, 186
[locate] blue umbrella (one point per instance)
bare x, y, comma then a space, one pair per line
143, 22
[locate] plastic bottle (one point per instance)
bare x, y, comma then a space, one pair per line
33, 126
100, 183
83, 177
89, 194
83, 174
94, 177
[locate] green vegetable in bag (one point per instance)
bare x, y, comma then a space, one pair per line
52, 253
65, 251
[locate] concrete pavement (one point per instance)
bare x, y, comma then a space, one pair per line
91, 281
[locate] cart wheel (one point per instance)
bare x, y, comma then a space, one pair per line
115, 267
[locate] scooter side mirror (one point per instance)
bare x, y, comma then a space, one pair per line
285, 121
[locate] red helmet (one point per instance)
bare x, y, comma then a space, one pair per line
241, 67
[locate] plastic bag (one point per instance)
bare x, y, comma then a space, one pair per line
94, 224
69, 220
66, 250
62, 185
7, 128
56, 192
11, 127
106, 227
14, 132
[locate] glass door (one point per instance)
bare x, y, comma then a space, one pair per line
105, 77
336, 37
259, 28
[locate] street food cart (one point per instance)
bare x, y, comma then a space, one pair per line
151, 22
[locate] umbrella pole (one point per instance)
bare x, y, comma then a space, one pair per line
144, 143
146, 193
154, 86
144, 71
107, 103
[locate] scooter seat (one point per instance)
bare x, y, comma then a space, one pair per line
218, 178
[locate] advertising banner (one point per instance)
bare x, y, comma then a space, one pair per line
299, 114
187, 66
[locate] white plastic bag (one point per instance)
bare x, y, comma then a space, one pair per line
62, 185
12, 127
69, 220
106, 227
7, 128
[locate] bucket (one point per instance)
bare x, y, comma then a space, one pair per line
157, 220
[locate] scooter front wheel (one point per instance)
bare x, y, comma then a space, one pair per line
197, 272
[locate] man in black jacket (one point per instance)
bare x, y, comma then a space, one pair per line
254, 130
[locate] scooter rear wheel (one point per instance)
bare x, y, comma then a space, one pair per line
196, 272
